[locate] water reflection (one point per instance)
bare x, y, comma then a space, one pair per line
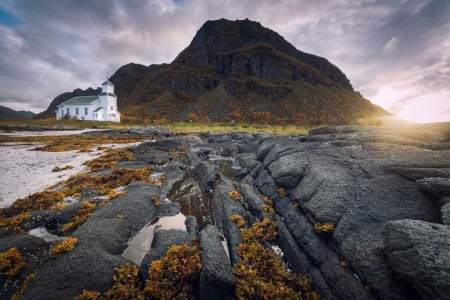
141, 242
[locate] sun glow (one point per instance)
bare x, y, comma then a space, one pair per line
427, 108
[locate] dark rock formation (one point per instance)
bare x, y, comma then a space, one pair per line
216, 279
101, 241
382, 190
419, 252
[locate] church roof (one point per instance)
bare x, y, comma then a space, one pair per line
108, 83
80, 100
98, 109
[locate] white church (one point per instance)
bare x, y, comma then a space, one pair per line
94, 108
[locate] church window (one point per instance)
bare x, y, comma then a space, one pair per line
68, 110
86, 111
76, 111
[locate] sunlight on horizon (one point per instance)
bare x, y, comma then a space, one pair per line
428, 108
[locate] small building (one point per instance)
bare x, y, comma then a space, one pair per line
93, 108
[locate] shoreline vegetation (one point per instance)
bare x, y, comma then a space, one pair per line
181, 127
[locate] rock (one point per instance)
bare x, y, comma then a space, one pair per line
38, 219
162, 240
224, 207
191, 226
179, 144
35, 253
86, 267
420, 253
174, 173
288, 170
437, 187
446, 214
191, 159
204, 173
167, 209
216, 279
420, 173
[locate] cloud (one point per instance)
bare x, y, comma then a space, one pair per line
382, 45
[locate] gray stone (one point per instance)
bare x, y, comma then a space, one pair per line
174, 173
420, 253
191, 159
191, 226
435, 186
38, 219
446, 214
35, 253
224, 207
86, 267
162, 240
205, 175
179, 143
216, 279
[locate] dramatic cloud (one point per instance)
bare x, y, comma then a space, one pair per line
397, 53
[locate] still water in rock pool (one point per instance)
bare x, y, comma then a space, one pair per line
141, 242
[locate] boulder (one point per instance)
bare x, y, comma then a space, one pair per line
205, 175
191, 226
178, 144
35, 253
174, 173
420, 253
216, 279
86, 267
435, 186
446, 214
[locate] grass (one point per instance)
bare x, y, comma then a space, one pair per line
190, 128
181, 127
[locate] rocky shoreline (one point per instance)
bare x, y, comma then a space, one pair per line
364, 211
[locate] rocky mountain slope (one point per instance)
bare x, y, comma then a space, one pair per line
11, 114
364, 211
239, 71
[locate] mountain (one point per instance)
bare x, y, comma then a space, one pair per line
239, 71
28, 114
11, 114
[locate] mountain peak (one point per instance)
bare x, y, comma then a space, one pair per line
217, 40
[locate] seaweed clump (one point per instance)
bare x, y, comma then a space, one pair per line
323, 227
118, 177
37, 201
173, 276
127, 284
85, 212
65, 246
11, 262
260, 274
109, 160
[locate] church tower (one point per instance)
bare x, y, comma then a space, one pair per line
108, 100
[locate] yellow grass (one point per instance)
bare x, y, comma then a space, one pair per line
177, 127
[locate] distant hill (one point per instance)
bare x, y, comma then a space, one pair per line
28, 114
9, 114
238, 71
50, 111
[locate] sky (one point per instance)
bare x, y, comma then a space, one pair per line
395, 52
